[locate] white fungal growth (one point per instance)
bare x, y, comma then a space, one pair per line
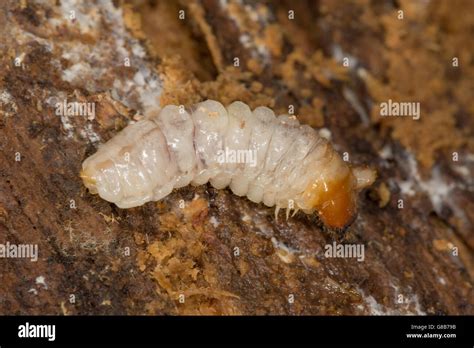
269, 159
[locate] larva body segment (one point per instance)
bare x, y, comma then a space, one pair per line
237, 138
178, 128
259, 142
210, 127
285, 164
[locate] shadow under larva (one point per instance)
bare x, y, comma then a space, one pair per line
270, 159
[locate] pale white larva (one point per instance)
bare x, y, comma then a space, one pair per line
269, 159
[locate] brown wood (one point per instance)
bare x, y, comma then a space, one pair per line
225, 254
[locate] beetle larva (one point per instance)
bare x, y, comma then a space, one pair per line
287, 165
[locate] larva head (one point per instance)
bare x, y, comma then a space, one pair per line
334, 195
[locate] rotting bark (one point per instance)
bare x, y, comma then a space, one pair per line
225, 254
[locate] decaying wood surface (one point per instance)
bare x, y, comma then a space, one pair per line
206, 251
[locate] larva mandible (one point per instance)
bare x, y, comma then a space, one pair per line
292, 167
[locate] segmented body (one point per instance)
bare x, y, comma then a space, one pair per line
269, 159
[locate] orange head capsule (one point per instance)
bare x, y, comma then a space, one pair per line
335, 199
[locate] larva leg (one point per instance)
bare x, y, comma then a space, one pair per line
277, 210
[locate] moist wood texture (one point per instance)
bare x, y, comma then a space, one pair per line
225, 254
